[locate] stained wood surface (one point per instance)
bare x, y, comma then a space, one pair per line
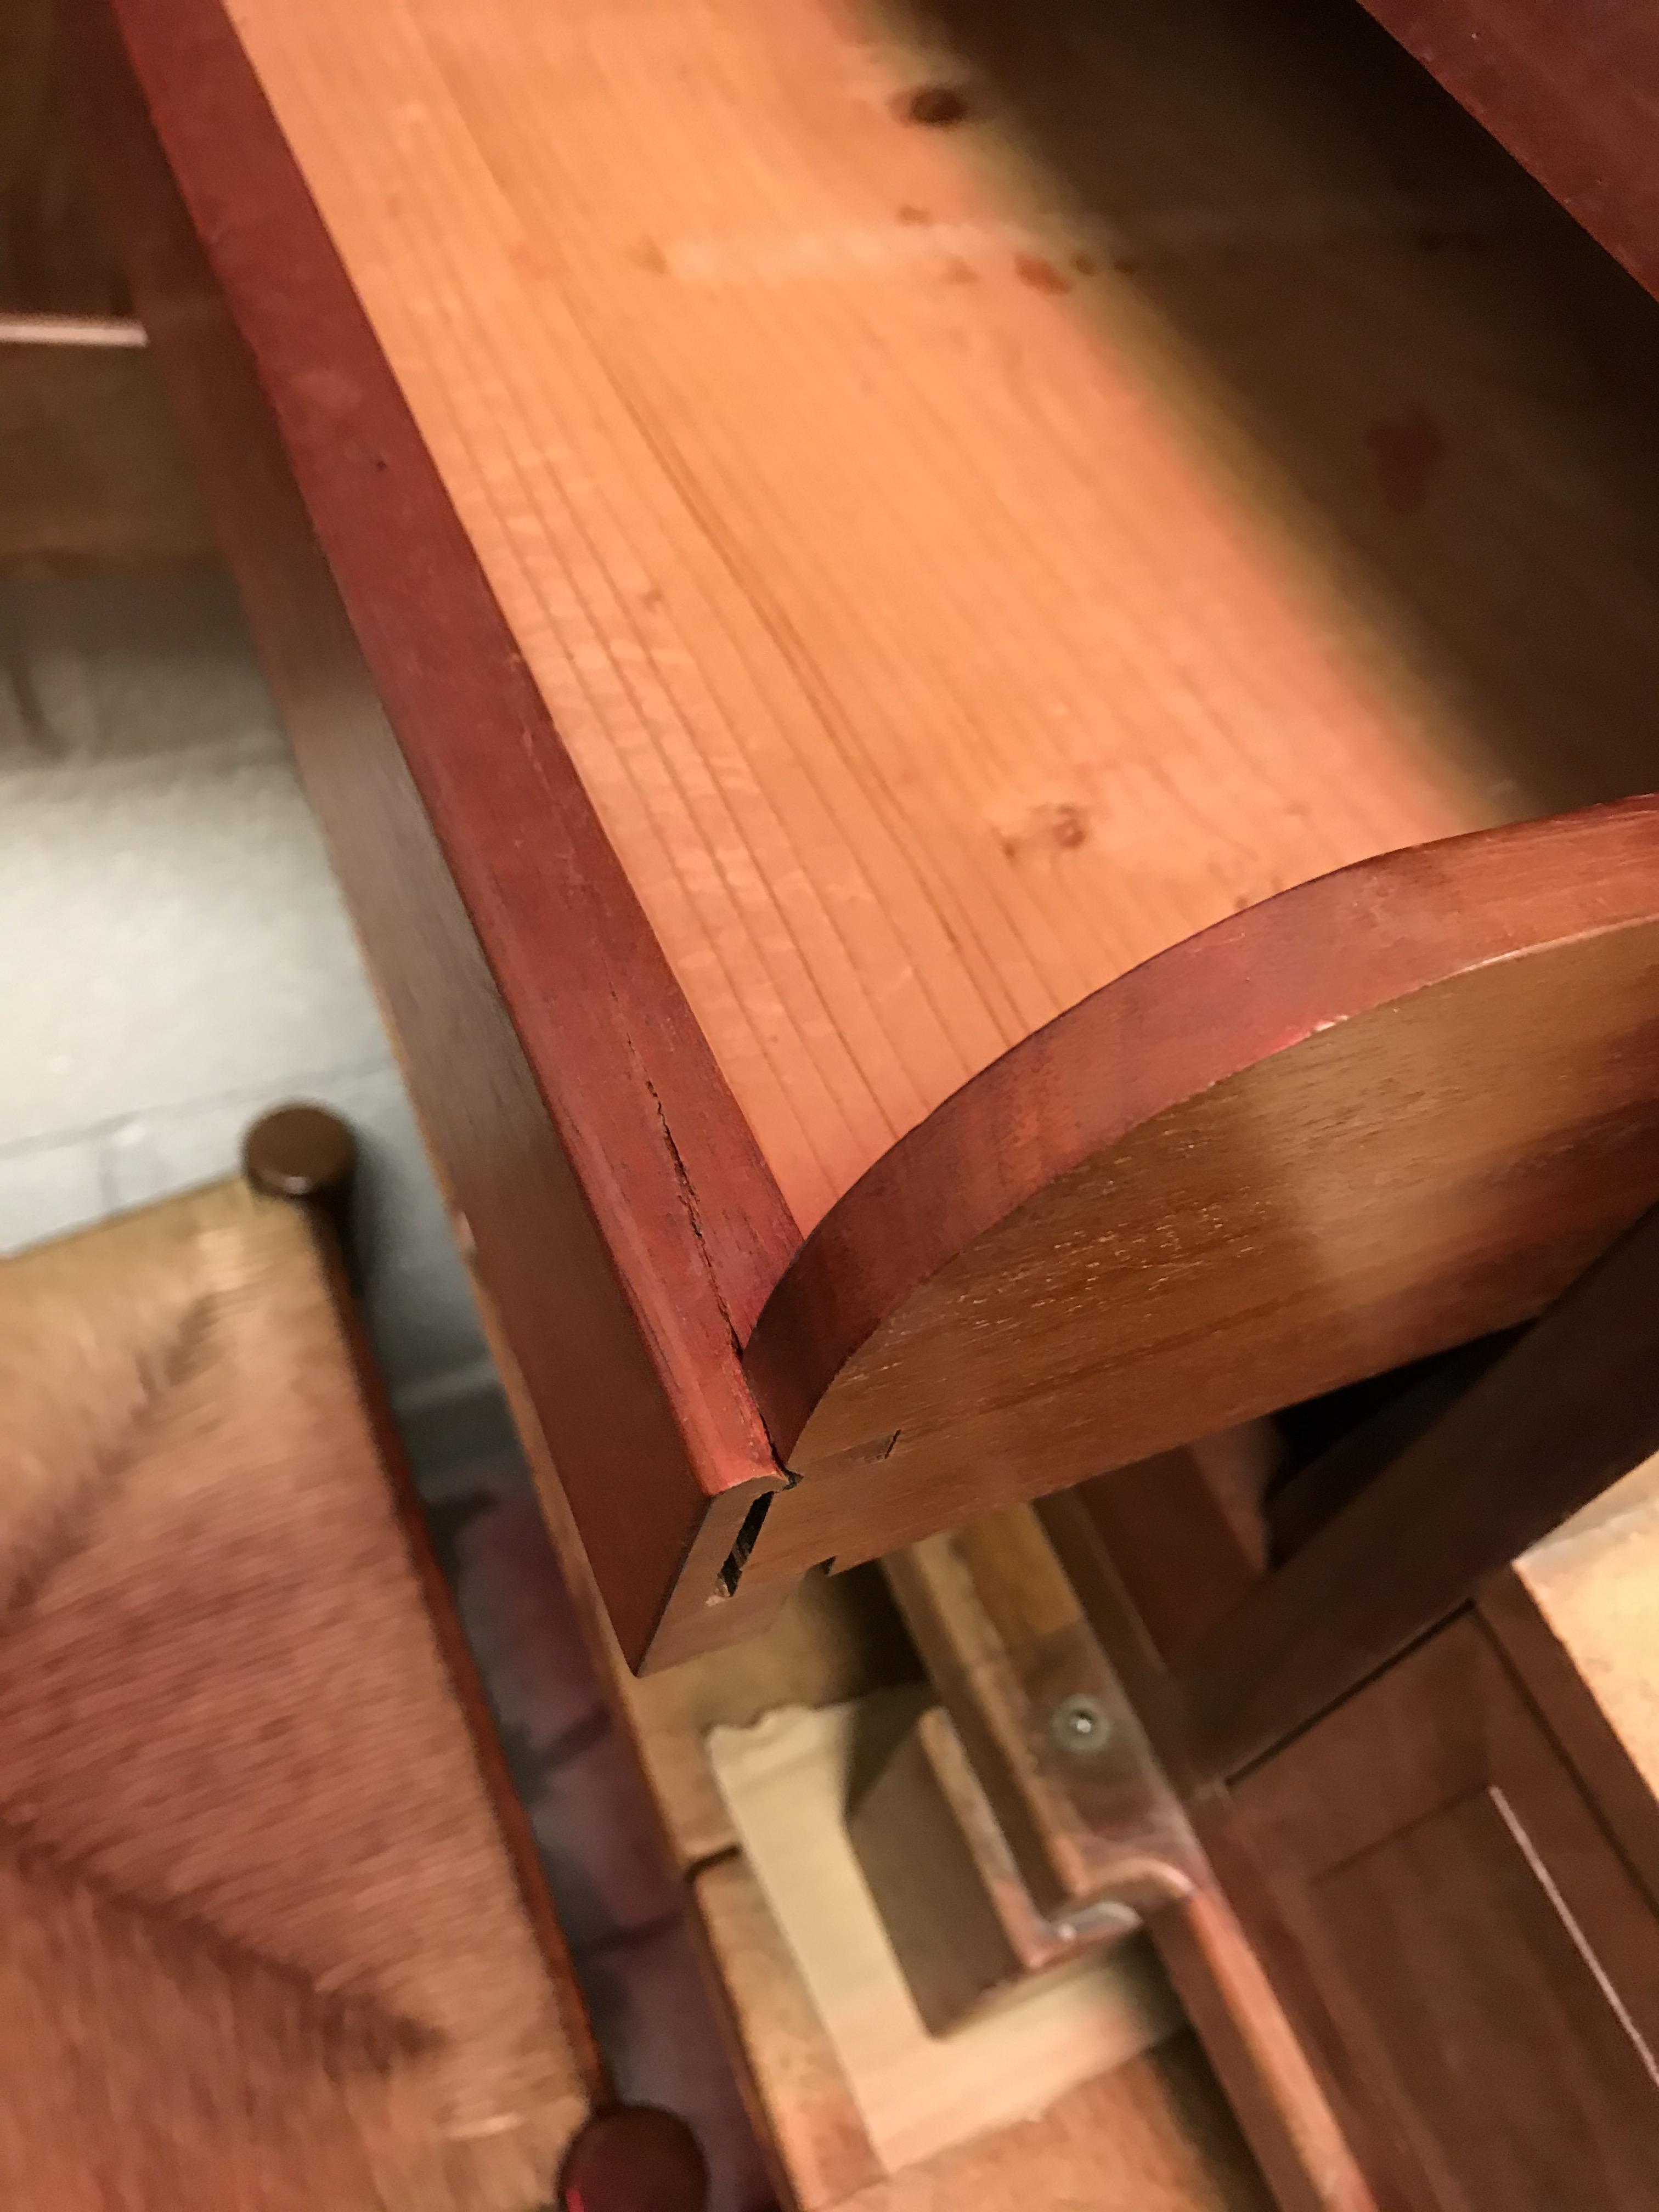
845, 585
1004, 1635
1343, 1129
1572, 98
1301, 2098
1489, 1963
596, 1172
937, 602
55, 257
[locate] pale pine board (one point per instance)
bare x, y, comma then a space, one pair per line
951, 591
1597, 1583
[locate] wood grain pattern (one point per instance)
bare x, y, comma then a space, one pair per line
1568, 1411
1574, 100
933, 631
594, 1165
889, 581
999, 1625
1154, 2136
1344, 1129
1489, 1962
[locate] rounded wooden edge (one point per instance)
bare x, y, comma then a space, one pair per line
299, 1151
633, 2158
1216, 1003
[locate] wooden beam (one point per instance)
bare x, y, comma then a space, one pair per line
1571, 1408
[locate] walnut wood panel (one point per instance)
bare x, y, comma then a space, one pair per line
925, 592
597, 1170
1378, 1115
1489, 1961
1571, 94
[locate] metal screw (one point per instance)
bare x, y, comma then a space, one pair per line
1078, 1725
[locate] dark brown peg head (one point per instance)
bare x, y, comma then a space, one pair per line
633, 2159
298, 1152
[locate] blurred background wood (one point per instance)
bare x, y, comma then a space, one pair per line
54, 256
92, 475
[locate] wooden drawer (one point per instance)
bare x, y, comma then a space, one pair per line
935, 716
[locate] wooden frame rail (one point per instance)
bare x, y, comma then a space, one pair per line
1566, 1413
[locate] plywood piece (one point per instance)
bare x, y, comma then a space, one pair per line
1151, 2137
961, 561
788, 1781
1597, 1583
837, 1637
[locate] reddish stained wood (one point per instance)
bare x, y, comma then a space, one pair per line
615, 1201
1488, 1966
1572, 92
1107, 621
623, 1215
1342, 1130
